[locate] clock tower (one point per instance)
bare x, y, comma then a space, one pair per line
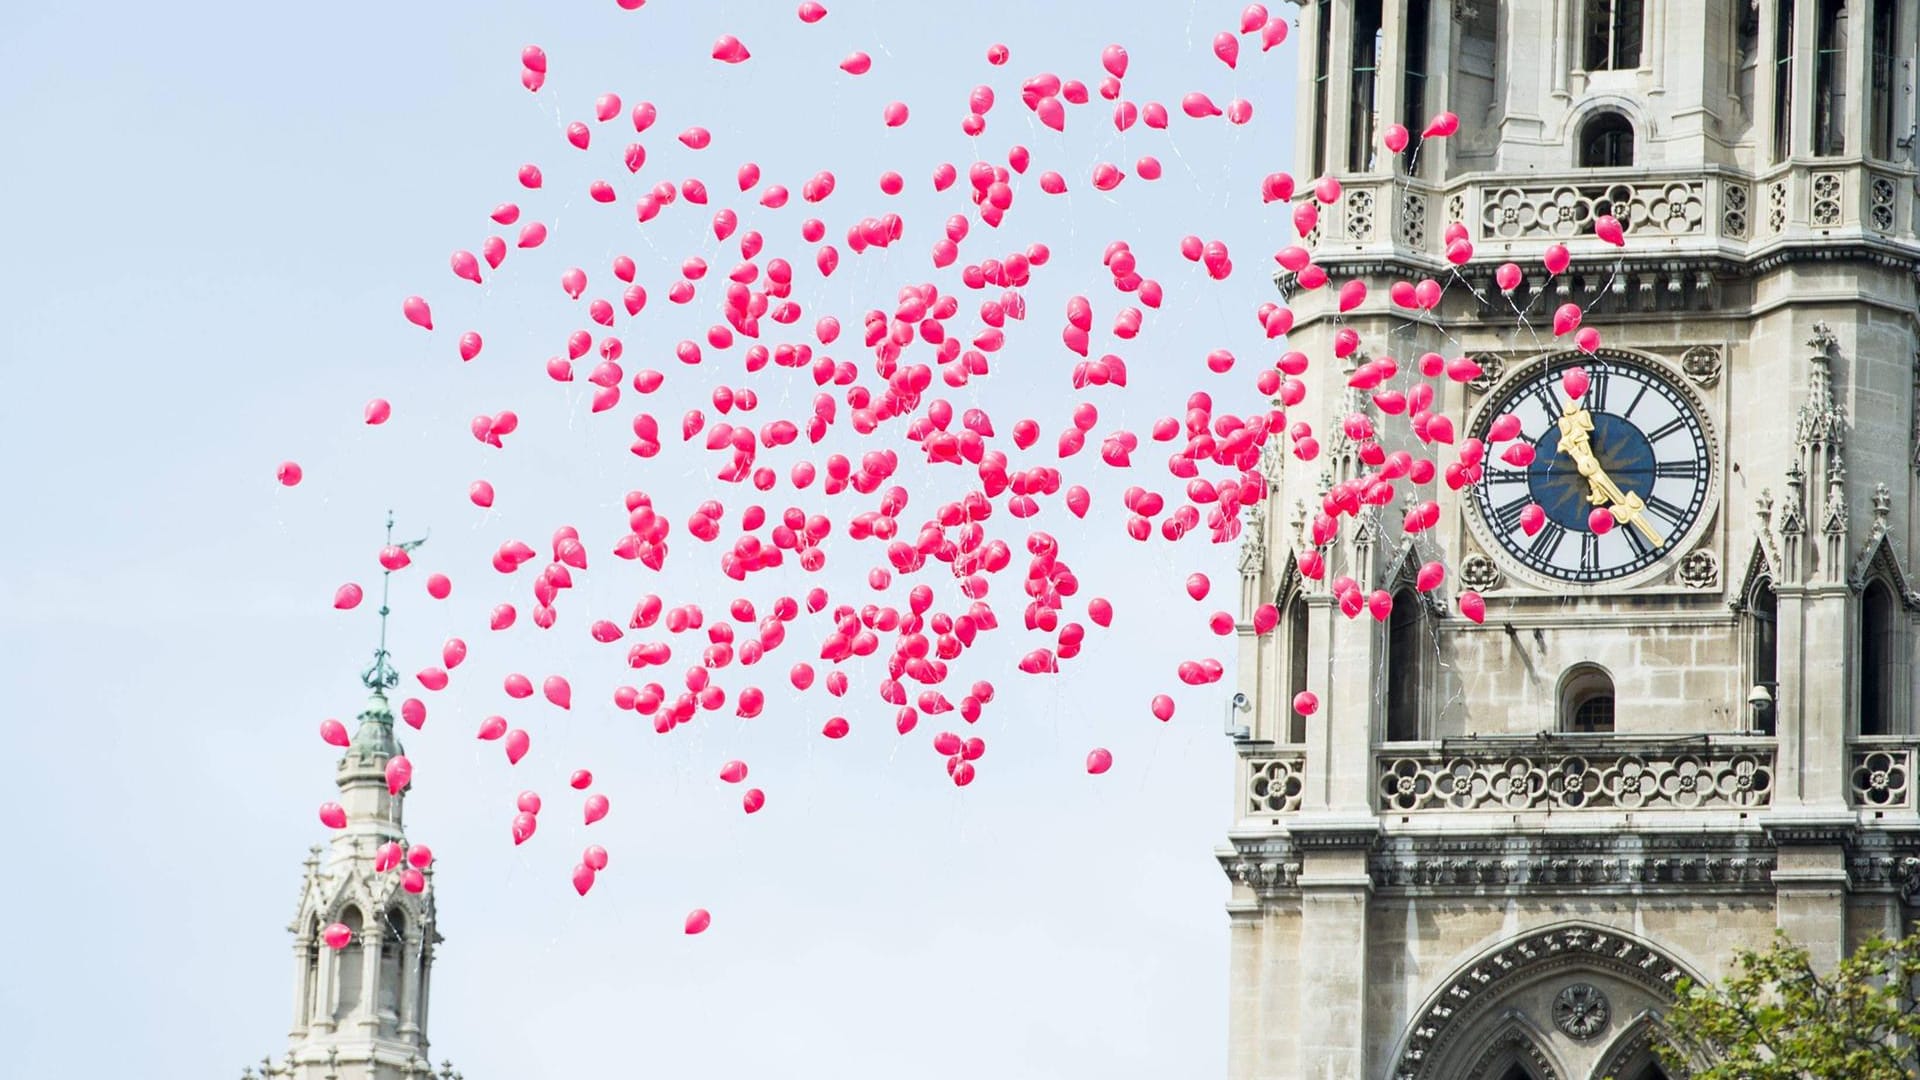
1494, 848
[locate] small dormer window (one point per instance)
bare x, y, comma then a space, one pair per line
1612, 34
1606, 141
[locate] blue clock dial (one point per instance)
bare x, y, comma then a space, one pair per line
1632, 442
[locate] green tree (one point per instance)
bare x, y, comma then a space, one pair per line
1776, 1018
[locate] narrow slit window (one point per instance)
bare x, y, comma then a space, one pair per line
1612, 34
1830, 80
1783, 81
1886, 16
1323, 24
1296, 667
1876, 660
1404, 667
1764, 610
1366, 79
1413, 107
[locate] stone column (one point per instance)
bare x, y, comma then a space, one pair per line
1339, 86
1247, 1012
1810, 890
1389, 90
1828, 662
1564, 38
1331, 977
1789, 715
410, 987
1763, 104
373, 938
1858, 76
302, 1004
325, 994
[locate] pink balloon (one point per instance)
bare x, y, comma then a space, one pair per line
1587, 340
1473, 607
1306, 703
1574, 381
289, 474
1556, 258
1099, 760
481, 492
733, 772
492, 728
1607, 227
378, 411
811, 12
1441, 126
465, 266
1253, 18
1600, 521
469, 345
895, 114
532, 235
414, 712
420, 856
1274, 33
517, 743
729, 50
417, 312
1352, 294
1198, 105
1507, 276
399, 773
1227, 48
596, 808
1566, 318
528, 802
1154, 115
1114, 59
347, 597
558, 691
582, 878
753, 800
1395, 138
857, 63
1533, 518
698, 920
579, 135
595, 856
1162, 707
524, 826
333, 815
1430, 576
836, 728
337, 936
334, 733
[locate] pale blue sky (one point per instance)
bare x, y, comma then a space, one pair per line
214, 212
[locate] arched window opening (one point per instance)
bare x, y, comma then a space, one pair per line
1516, 1071
309, 1002
1296, 667
1880, 134
1586, 701
1876, 660
1404, 666
1413, 106
1830, 80
1613, 34
1746, 56
1322, 71
1606, 141
352, 966
1763, 610
1782, 81
1366, 76
393, 950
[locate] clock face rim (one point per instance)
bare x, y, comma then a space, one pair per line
1500, 395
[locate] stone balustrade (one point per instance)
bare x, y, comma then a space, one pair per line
1880, 773
1275, 781
1565, 773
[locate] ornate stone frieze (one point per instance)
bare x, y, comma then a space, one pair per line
1666, 208
1359, 208
1538, 777
1881, 778
1479, 573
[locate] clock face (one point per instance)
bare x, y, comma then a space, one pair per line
1631, 443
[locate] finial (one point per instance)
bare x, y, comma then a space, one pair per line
380, 675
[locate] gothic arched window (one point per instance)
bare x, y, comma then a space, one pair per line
1413, 105
1763, 615
1606, 141
1405, 666
1322, 72
1880, 134
1612, 34
1877, 655
1296, 666
351, 971
1586, 700
1366, 77
1782, 82
393, 951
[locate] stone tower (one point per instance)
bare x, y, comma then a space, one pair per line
1494, 848
360, 1013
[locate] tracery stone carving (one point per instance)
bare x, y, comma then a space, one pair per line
1275, 784
1525, 778
1777, 206
1670, 208
1733, 211
1413, 220
1826, 199
1359, 214
1581, 1010
1480, 985
1880, 196
1491, 368
1479, 573
1513, 1043
1882, 778
1702, 365
1699, 570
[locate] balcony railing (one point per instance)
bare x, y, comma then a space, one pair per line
1880, 774
1577, 773
1275, 782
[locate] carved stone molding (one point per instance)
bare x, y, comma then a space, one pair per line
1581, 1010
1481, 984
1701, 364
1275, 784
1538, 777
1514, 1042
1491, 368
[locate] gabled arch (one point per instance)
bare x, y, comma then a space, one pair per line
1879, 560
1760, 566
1515, 1042
1632, 1050
1461, 1002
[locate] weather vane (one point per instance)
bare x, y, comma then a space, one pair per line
380, 675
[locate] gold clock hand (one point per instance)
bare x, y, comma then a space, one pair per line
1575, 424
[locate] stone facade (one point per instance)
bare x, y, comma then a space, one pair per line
1491, 893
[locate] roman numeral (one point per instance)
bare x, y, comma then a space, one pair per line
1507, 517
1635, 403
1597, 389
1683, 469
1506, 476
1547, 401
1636, 541
1666, 429
1544, 545
1589, 552
1666, 509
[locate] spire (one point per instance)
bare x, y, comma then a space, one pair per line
380, 675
